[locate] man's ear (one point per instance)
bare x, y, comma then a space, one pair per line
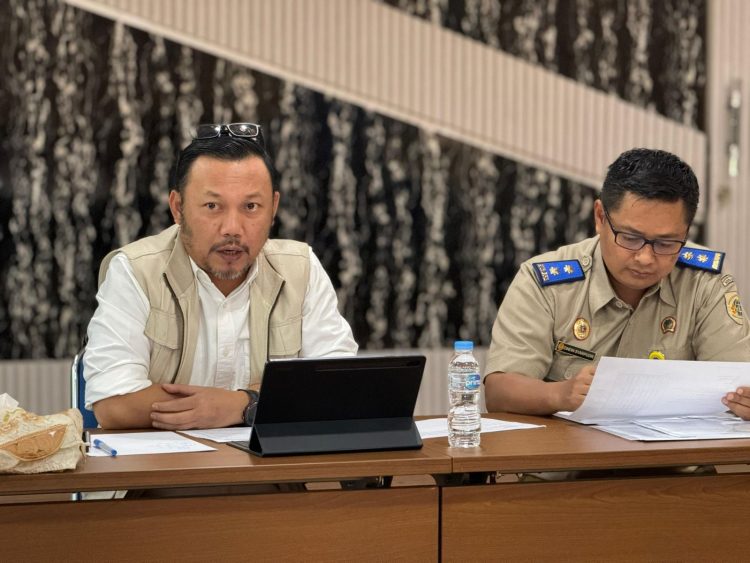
175, 206
276, 196
598, 215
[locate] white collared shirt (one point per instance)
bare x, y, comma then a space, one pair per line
118, 352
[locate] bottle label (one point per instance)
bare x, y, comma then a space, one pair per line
472, 382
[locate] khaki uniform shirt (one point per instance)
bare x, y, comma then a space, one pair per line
689, 315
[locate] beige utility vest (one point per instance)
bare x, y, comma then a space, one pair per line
162, 268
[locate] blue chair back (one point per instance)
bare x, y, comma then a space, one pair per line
78, 392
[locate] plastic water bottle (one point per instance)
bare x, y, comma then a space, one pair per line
464, 420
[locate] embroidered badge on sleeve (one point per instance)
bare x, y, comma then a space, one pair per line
734, 307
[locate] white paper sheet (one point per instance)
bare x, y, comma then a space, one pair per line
135, 443
438, 427
626, 389
233, 434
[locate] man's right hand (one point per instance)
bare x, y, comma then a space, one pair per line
193, 406
519, 393
573, 391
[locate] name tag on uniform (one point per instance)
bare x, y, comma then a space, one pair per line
569, 350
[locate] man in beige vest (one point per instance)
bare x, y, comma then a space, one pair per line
187, 318
635, 290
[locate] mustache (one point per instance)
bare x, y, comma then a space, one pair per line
232, 243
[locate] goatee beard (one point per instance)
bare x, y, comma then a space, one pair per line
231, 275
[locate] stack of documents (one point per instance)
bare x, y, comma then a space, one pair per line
655, 400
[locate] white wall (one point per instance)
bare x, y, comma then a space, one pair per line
729, 195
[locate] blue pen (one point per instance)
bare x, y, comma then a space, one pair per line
98, 444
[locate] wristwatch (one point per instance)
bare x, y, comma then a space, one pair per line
248, 415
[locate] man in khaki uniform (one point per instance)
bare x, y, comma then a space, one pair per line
634, 290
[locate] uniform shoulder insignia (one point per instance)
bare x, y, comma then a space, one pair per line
700, 259
558, 271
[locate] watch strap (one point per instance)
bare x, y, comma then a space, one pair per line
248, 414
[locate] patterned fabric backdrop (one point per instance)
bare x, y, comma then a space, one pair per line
421, 235
648, 52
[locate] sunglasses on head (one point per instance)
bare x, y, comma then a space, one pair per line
243, 130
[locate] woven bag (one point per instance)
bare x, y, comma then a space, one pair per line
30, 443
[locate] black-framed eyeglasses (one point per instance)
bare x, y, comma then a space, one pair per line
244, 130
664, 247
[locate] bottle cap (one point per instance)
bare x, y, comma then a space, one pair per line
463, 346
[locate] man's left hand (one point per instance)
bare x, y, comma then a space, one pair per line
739, 402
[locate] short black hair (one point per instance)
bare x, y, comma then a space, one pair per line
651, 174
223, 147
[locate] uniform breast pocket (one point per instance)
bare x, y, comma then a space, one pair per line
285, 338
672, 352
564, 367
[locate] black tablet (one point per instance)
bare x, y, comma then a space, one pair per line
323, 405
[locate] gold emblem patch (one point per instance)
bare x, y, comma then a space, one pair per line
581, 329
668, 324
734, 307
656, 355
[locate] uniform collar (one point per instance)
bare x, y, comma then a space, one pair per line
602, 292
177, 270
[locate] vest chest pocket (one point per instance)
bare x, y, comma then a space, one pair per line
285, 338
163, 330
